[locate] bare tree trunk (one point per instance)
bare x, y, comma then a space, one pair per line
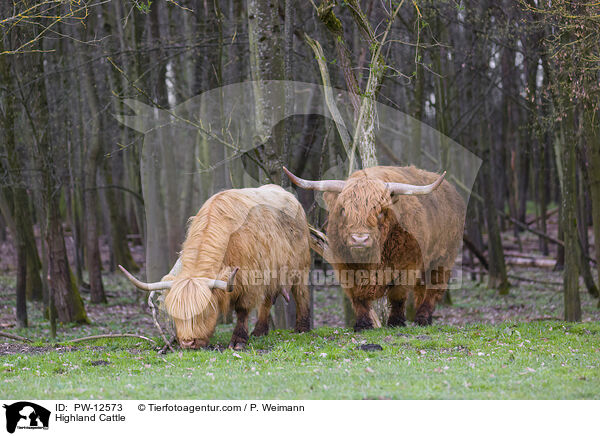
560, 250
497, 278
157, 263
93, 261
266, 63
582, 228
542, 195
62, 292
288, 123
593, 155
28, 265
66, 298
21, 308
565, 160
118, 227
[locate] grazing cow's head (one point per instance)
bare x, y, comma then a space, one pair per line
360, 216
193, 307
191, 303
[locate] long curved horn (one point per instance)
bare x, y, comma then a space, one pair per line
157, 286
160, 286
224, 286
176, 268
318, 185
406, 189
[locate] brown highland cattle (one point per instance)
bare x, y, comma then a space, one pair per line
392, 230
260, 231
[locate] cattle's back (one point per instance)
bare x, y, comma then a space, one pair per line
274, 232
257, 229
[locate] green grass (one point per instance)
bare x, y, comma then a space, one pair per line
540, 360
480, 347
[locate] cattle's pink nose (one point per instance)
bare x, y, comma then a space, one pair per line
187, 343
360, 239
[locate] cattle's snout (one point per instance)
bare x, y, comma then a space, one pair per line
187, 344
192, 343
362, 240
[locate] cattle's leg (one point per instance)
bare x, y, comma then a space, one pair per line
425, 310
363, 319
240, 332
397, 300
302, 298
424, 315
429, 297
423, 305
262, 323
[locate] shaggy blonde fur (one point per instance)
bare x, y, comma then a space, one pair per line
260, 230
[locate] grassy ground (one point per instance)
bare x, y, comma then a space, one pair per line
533, 360
478, 348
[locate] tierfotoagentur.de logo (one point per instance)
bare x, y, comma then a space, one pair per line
26, 415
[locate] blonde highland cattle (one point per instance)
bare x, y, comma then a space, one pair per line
244, 248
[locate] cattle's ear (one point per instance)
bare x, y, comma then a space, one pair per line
395, 197
228, 275
330, 198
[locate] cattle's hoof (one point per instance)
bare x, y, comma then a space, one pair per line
423, 320
260, 330
302, 325
360, 326
237, 346
396, 322
238, 341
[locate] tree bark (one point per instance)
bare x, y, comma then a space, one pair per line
593, 155
66, 298
29, 285
61, 290
118, 227
21, 285
497, 278
565, 157
93, 152
266, 63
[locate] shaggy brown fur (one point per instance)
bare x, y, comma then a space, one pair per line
408, 233
262, 231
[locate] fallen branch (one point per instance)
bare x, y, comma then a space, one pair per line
122, 335
15, 337
548, 215
478, 254
137, 196
532, 262
157, 324
531, 230
527, 279
510, 253
515, 277
168, 346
